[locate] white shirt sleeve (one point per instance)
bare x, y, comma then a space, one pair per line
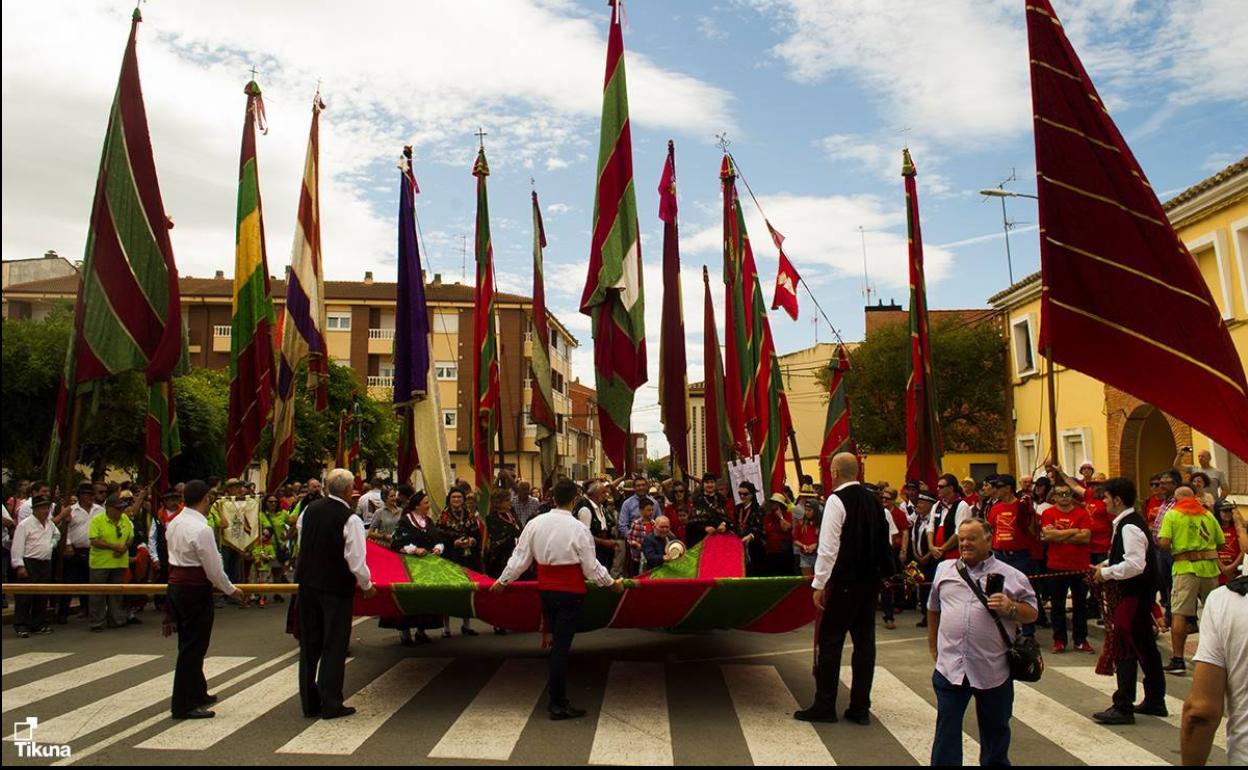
964, 514
829, 541
354, 551
210, 559
1134, 556
152, 553
17, 549
593, 569
584, 515
521, 556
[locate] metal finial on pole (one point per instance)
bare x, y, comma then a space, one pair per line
254, 73
722, 141
905, 137
481, 134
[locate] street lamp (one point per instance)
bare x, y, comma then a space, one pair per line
1002, 193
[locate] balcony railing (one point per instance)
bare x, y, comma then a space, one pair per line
380, 382
381, 334
221, 331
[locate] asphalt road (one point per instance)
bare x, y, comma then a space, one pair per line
653, 698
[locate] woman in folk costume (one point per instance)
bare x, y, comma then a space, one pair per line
465, 533
749, 526
502, 532
416, 535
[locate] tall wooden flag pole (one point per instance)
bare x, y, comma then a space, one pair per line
614, 297
252, 379
1101, 225
485, 343
301, 330
923, 444
128, 313
673, 366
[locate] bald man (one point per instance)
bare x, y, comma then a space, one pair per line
854, 557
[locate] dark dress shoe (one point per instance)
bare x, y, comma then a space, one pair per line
815, 715
345, 711
196, 713
566, 712
1113, 716
208, 700
467, 632
1153, 709
858, 717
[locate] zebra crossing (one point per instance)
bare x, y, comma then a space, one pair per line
496, 710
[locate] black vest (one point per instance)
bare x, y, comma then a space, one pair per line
322, 564
865, 555
1143, 585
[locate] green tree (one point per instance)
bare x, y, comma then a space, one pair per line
656, 469
33, 359
969, 367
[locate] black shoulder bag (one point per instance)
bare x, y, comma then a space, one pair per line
1023, 654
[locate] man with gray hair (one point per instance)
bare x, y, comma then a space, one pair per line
331, 565
592, 513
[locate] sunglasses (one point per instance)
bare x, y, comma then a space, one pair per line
1061, 494
1154, 483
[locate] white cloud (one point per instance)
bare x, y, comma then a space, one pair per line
557, 209
883, 157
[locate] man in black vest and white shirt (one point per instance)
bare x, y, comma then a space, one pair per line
854, 557
331, 565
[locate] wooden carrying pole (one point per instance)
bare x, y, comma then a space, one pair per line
1052, 388
129, 589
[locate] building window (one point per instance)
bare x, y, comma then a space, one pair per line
1028, 454
557, 382
1076, 445
386, 370
1024, 353
450, 418
338, 322
444, 370
446, 323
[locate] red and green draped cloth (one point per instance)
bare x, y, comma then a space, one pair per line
741, 362
128, 314
485, 346
613, 296
673, 367
162, 439
542, 404
354, 461
340, 454
837, 432
718, 438
1107, 249
705, 589
923, 452
303, 318
251, 326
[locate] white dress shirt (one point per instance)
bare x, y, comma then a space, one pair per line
1134, 551
830, 537
590, 511
368, 504
33, 540
192, 543
80, 523
24, 510
355, 537
553, 539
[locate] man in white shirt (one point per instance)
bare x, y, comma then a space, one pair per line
76, 569
563, 549
31, 554
195, 568
370, 501
1221, 681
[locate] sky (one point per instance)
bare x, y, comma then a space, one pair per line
817, 99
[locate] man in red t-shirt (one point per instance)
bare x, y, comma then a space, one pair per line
1011, 519
1067, 528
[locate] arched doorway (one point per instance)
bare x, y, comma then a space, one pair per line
1147, 444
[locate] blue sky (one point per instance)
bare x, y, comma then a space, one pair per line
815, 96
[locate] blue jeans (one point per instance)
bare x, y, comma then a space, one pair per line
993, 709
1021, 561
1165, 577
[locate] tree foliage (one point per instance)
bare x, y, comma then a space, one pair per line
969, 366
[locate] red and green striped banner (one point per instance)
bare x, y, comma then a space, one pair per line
673, 366
542, 405
485, 346
251, 325
718, 437
162, 439
837, 432
128, 312
614, 296
922, 420
705, 589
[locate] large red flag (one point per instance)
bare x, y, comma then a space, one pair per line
922, 422
718, 438
485, 386
785, 295
837, 433
673, 377
1123, 300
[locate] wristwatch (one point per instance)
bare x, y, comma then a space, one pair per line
1013, 610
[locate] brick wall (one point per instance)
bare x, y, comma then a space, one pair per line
1125, 416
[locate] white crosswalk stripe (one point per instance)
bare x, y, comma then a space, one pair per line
1107, 685
64, 681
29, 660
633, 726
379, 700
1089, 742
491, 725
107, 711
908, 717
765, 709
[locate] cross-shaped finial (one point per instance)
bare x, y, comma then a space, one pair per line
723, 141
481, 134
253, 72
905, 134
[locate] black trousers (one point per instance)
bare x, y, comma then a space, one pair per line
30, 612
1146, 657
75, 569
848, 609
563, 611
324, 635
193, 614
1058, 586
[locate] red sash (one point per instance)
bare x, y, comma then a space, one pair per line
193, 576
561, 577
